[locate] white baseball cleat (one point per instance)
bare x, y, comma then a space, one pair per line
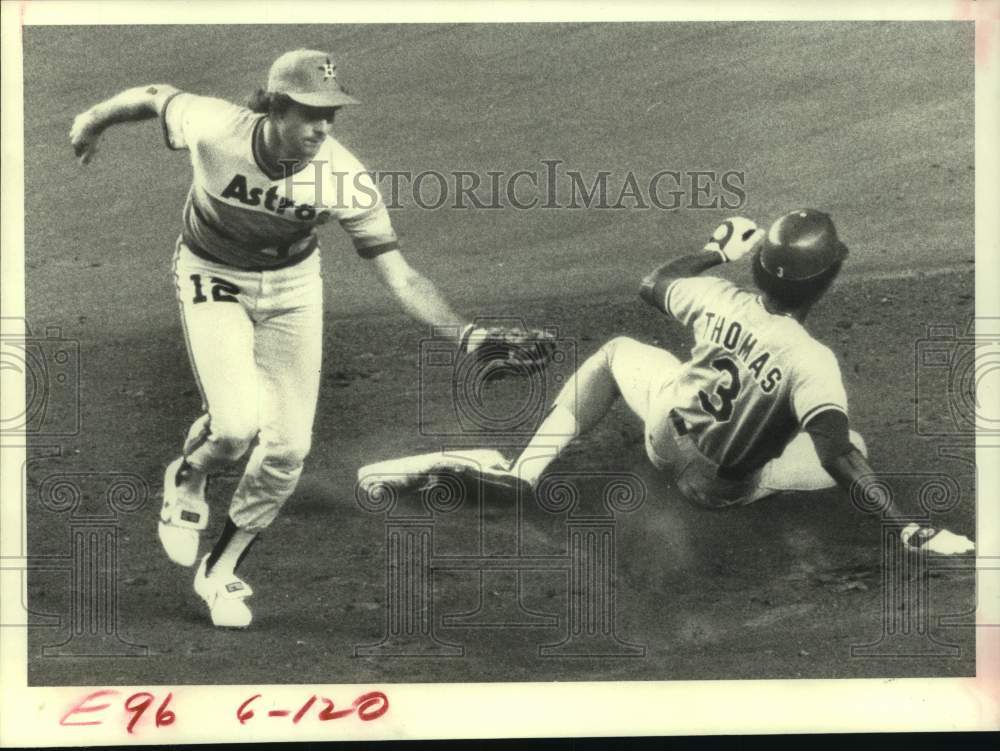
501, 475
413, 473
225, 595
184, 514
418, 472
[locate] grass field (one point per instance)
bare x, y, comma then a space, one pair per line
871, 122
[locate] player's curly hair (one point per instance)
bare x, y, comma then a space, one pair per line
269, 103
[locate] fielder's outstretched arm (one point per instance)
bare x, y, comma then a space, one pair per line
421, 299
131, 105
417, 294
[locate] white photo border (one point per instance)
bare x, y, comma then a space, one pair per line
30, 715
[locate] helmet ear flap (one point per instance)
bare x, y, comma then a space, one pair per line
793, 293
765, 281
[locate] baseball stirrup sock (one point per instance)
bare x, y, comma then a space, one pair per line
230, 549
188, 474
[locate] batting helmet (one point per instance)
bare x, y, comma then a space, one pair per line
798, 258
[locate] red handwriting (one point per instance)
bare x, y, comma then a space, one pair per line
84, 707
92, 708
135, 705
369, 706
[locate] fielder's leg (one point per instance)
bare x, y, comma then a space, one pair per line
799, 468
623, 367
288, 345
219, 338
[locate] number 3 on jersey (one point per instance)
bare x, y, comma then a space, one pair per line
724, 392
222, 291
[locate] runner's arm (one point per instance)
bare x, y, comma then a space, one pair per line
653, 289
830, 434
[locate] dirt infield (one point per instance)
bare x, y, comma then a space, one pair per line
871, 122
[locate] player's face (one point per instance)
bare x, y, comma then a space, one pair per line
301, 130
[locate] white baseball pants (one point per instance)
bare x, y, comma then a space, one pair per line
642, 374
255, 343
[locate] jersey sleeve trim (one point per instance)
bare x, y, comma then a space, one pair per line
352, 222
666, 297
818, 409
163, 121
371, 232
830, 433
377, 250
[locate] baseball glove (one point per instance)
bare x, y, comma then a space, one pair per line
503, 351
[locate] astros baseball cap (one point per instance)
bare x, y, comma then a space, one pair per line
309, 77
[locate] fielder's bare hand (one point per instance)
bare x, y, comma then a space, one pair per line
936, 541
734, 238
84, 135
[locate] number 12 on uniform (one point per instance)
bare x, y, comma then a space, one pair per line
222, 291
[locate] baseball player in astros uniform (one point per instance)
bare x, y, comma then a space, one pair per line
759, 407
247, 278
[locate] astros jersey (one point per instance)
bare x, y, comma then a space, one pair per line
754, 378
239, 214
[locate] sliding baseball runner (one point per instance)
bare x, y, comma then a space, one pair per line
758, 408
247, 280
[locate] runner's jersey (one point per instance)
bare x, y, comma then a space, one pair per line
238, 214
754, 378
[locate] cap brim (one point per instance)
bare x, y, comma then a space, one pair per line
322, 98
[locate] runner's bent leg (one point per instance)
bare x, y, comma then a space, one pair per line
799, 468
621, 366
